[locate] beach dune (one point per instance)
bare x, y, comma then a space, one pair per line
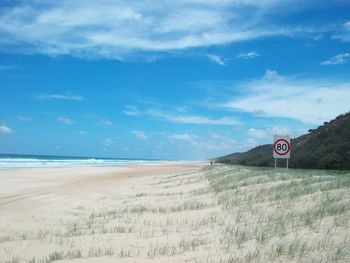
45, 211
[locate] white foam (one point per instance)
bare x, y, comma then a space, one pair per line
34, 163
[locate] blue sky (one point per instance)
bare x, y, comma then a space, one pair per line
168, 80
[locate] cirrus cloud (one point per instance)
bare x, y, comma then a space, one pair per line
193, 119
139, 135
270, 132
344, 33
106, 122
183, 137
59, 97
117, 29
310, 101
65, 121
216, 59
248, 55
339, 59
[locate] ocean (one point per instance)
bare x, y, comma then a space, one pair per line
34, 161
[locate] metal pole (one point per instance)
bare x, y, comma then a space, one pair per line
275, 163
287, 163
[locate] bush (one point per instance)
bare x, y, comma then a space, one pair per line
332, 162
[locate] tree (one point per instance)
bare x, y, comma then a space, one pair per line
332, 162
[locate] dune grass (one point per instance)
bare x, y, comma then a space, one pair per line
221, 214
283, 215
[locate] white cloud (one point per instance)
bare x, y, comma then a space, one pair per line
248, 55
347, 25
59, 97
65, 121
216, 135
23, 118
272, 75
250, 143
131, 110
339, 59
217, 148
344, 33
139, 135
183, 137
256, 133
106, 122
116, 29
311, 101
270, 132
282, 131
216, 59
5, 130
98, 120
193, 119
202, 147
80, 132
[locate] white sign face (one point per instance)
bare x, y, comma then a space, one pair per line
281, 147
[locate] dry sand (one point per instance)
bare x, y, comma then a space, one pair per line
24, 191
174, 212
133, 213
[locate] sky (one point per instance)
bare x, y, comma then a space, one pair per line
183, 80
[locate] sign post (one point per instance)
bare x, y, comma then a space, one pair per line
281, 148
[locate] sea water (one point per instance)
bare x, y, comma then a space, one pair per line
34, 161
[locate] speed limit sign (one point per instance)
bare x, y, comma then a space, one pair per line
281, 147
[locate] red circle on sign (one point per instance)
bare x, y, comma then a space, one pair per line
283, 140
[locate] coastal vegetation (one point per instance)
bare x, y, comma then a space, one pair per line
326, 147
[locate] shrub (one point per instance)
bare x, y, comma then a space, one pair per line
332, 162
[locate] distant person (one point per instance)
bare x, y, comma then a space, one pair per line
211, 162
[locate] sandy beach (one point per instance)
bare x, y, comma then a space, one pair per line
50, 201
173, 212
27, 190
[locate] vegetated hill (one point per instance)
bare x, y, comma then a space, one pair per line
327, 147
